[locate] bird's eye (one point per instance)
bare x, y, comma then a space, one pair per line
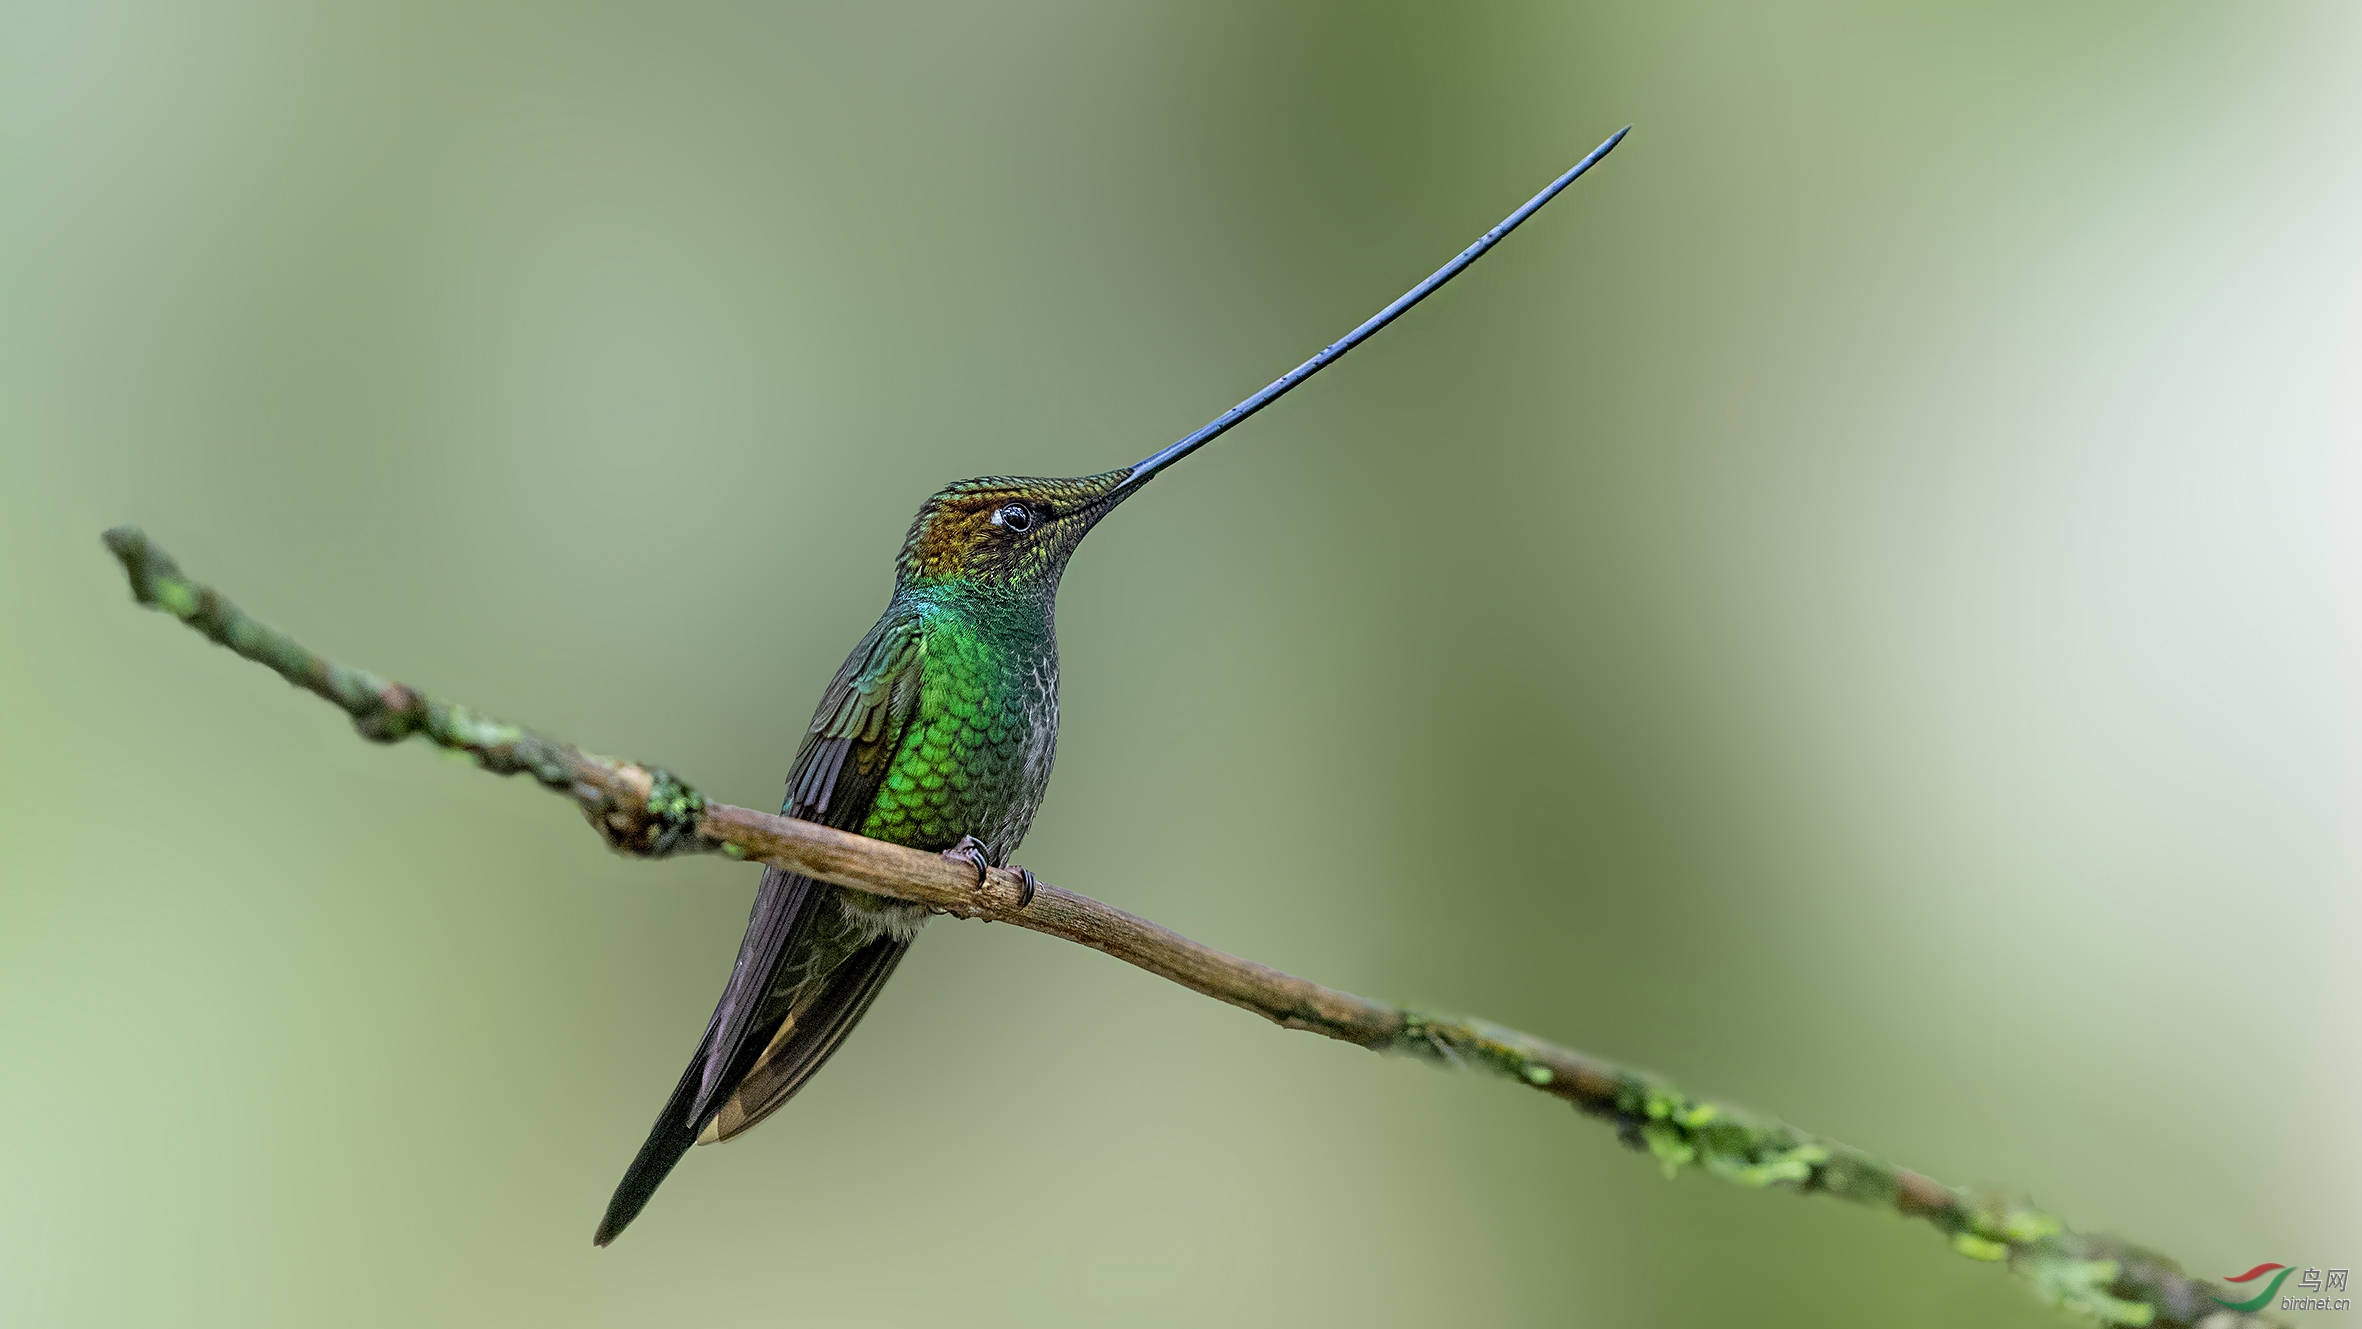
1016, 516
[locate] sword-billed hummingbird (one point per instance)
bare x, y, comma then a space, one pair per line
937, 732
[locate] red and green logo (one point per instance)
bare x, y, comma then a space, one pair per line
2260, 1299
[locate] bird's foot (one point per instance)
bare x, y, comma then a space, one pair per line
979, 855
973, 852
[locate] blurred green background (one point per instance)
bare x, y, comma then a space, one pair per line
1855, 608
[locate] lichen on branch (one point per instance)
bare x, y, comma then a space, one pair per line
651, 813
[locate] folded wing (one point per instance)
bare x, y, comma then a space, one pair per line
806, 972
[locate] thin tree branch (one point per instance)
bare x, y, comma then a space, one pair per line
650, 813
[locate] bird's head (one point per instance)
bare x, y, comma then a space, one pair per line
1007, 533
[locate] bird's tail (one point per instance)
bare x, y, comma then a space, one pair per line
674, 1132
762, 1074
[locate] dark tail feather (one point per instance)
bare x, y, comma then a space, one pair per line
756, 1089
737, 1078
779, 908
759, 1088
674, 1132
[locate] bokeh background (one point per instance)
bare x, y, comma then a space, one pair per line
1854, 608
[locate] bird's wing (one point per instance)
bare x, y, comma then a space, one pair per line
801, 979
836, 774
859, 721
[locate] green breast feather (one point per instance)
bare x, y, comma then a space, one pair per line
973, 753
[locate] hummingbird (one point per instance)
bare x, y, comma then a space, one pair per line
937, 733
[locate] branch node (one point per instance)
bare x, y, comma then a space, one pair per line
648, 813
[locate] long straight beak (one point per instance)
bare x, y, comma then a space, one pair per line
1281, 386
